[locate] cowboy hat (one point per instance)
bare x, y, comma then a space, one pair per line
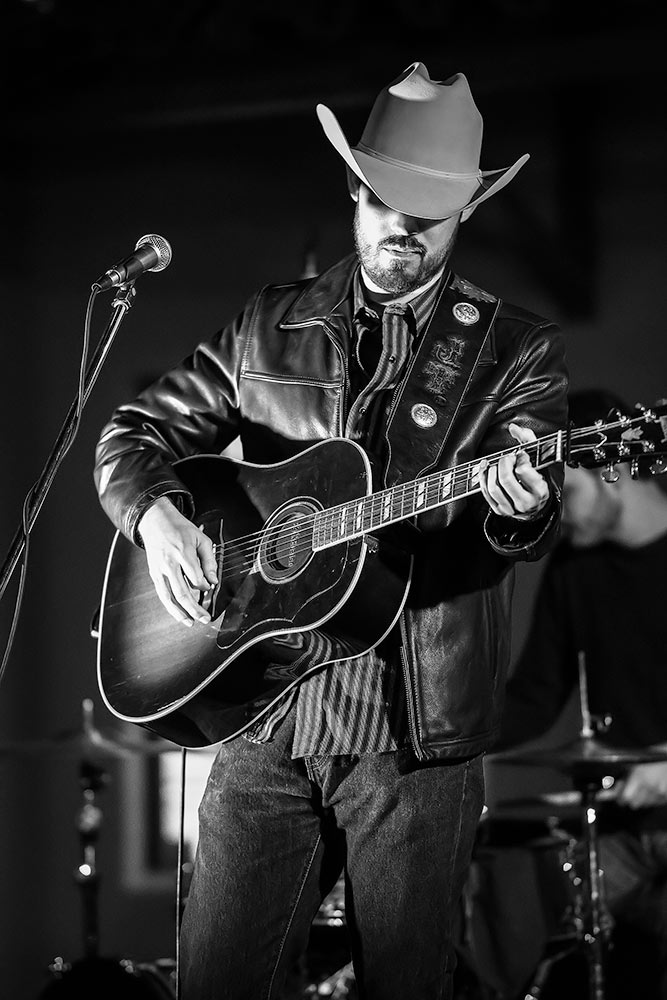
419, 152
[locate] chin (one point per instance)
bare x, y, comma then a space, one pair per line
396, 280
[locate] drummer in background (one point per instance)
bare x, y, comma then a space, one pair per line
603, 593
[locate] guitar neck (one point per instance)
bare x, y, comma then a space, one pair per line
398, 503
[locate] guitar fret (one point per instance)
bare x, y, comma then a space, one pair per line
547, 451
474, 476
399, 502
386, 506
368, 521
322, 533
358, 518
445, 484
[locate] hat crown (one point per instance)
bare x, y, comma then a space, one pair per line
430, 124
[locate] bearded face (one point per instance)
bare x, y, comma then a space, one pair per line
399, 253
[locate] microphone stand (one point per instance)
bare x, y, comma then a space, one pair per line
121, 304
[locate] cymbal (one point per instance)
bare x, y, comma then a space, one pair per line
87, 743
552, 801
584, 755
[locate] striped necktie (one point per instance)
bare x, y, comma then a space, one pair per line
365, 410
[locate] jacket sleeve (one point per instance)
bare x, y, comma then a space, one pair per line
192, 409
534, 397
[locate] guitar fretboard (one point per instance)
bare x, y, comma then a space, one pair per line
378, 510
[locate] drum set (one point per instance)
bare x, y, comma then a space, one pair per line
581, 924
561, 830
547, 845
560, 833
92, 974
593, 765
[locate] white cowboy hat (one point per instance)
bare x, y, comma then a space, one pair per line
420, 149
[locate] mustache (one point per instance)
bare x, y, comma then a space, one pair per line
403, 243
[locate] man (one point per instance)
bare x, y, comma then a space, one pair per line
602, 593
373, 764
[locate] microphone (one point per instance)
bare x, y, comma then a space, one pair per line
152, 253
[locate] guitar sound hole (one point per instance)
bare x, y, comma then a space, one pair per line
286, 547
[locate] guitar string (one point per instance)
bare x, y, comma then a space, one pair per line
329, 519
245, 548
242, 551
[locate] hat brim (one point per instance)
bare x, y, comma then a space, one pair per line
411, 190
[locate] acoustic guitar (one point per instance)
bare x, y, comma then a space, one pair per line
309, 575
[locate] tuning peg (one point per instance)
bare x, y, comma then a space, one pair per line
659, 467
634, 468
610, 475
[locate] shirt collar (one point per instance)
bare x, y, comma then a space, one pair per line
418, 309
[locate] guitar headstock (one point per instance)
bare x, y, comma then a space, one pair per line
640, 439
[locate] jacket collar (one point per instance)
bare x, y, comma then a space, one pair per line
323, 301
323, 298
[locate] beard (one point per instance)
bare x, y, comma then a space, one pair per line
391, 273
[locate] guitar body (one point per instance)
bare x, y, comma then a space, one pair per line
282, 608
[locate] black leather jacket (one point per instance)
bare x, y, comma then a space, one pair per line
277, 377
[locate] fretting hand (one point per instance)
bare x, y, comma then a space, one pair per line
181, 561
513, 487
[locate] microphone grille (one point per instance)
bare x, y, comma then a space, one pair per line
161, 247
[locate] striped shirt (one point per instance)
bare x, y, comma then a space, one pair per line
358, 706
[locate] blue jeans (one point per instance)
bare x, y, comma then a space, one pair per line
274, 835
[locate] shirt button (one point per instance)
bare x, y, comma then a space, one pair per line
362, 409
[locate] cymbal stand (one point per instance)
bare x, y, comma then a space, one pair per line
591, 921
92, 778
597, 926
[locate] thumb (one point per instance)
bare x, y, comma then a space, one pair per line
207, 557
524, 435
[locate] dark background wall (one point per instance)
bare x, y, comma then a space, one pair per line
197, 122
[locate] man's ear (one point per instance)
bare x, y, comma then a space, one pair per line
353, 183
